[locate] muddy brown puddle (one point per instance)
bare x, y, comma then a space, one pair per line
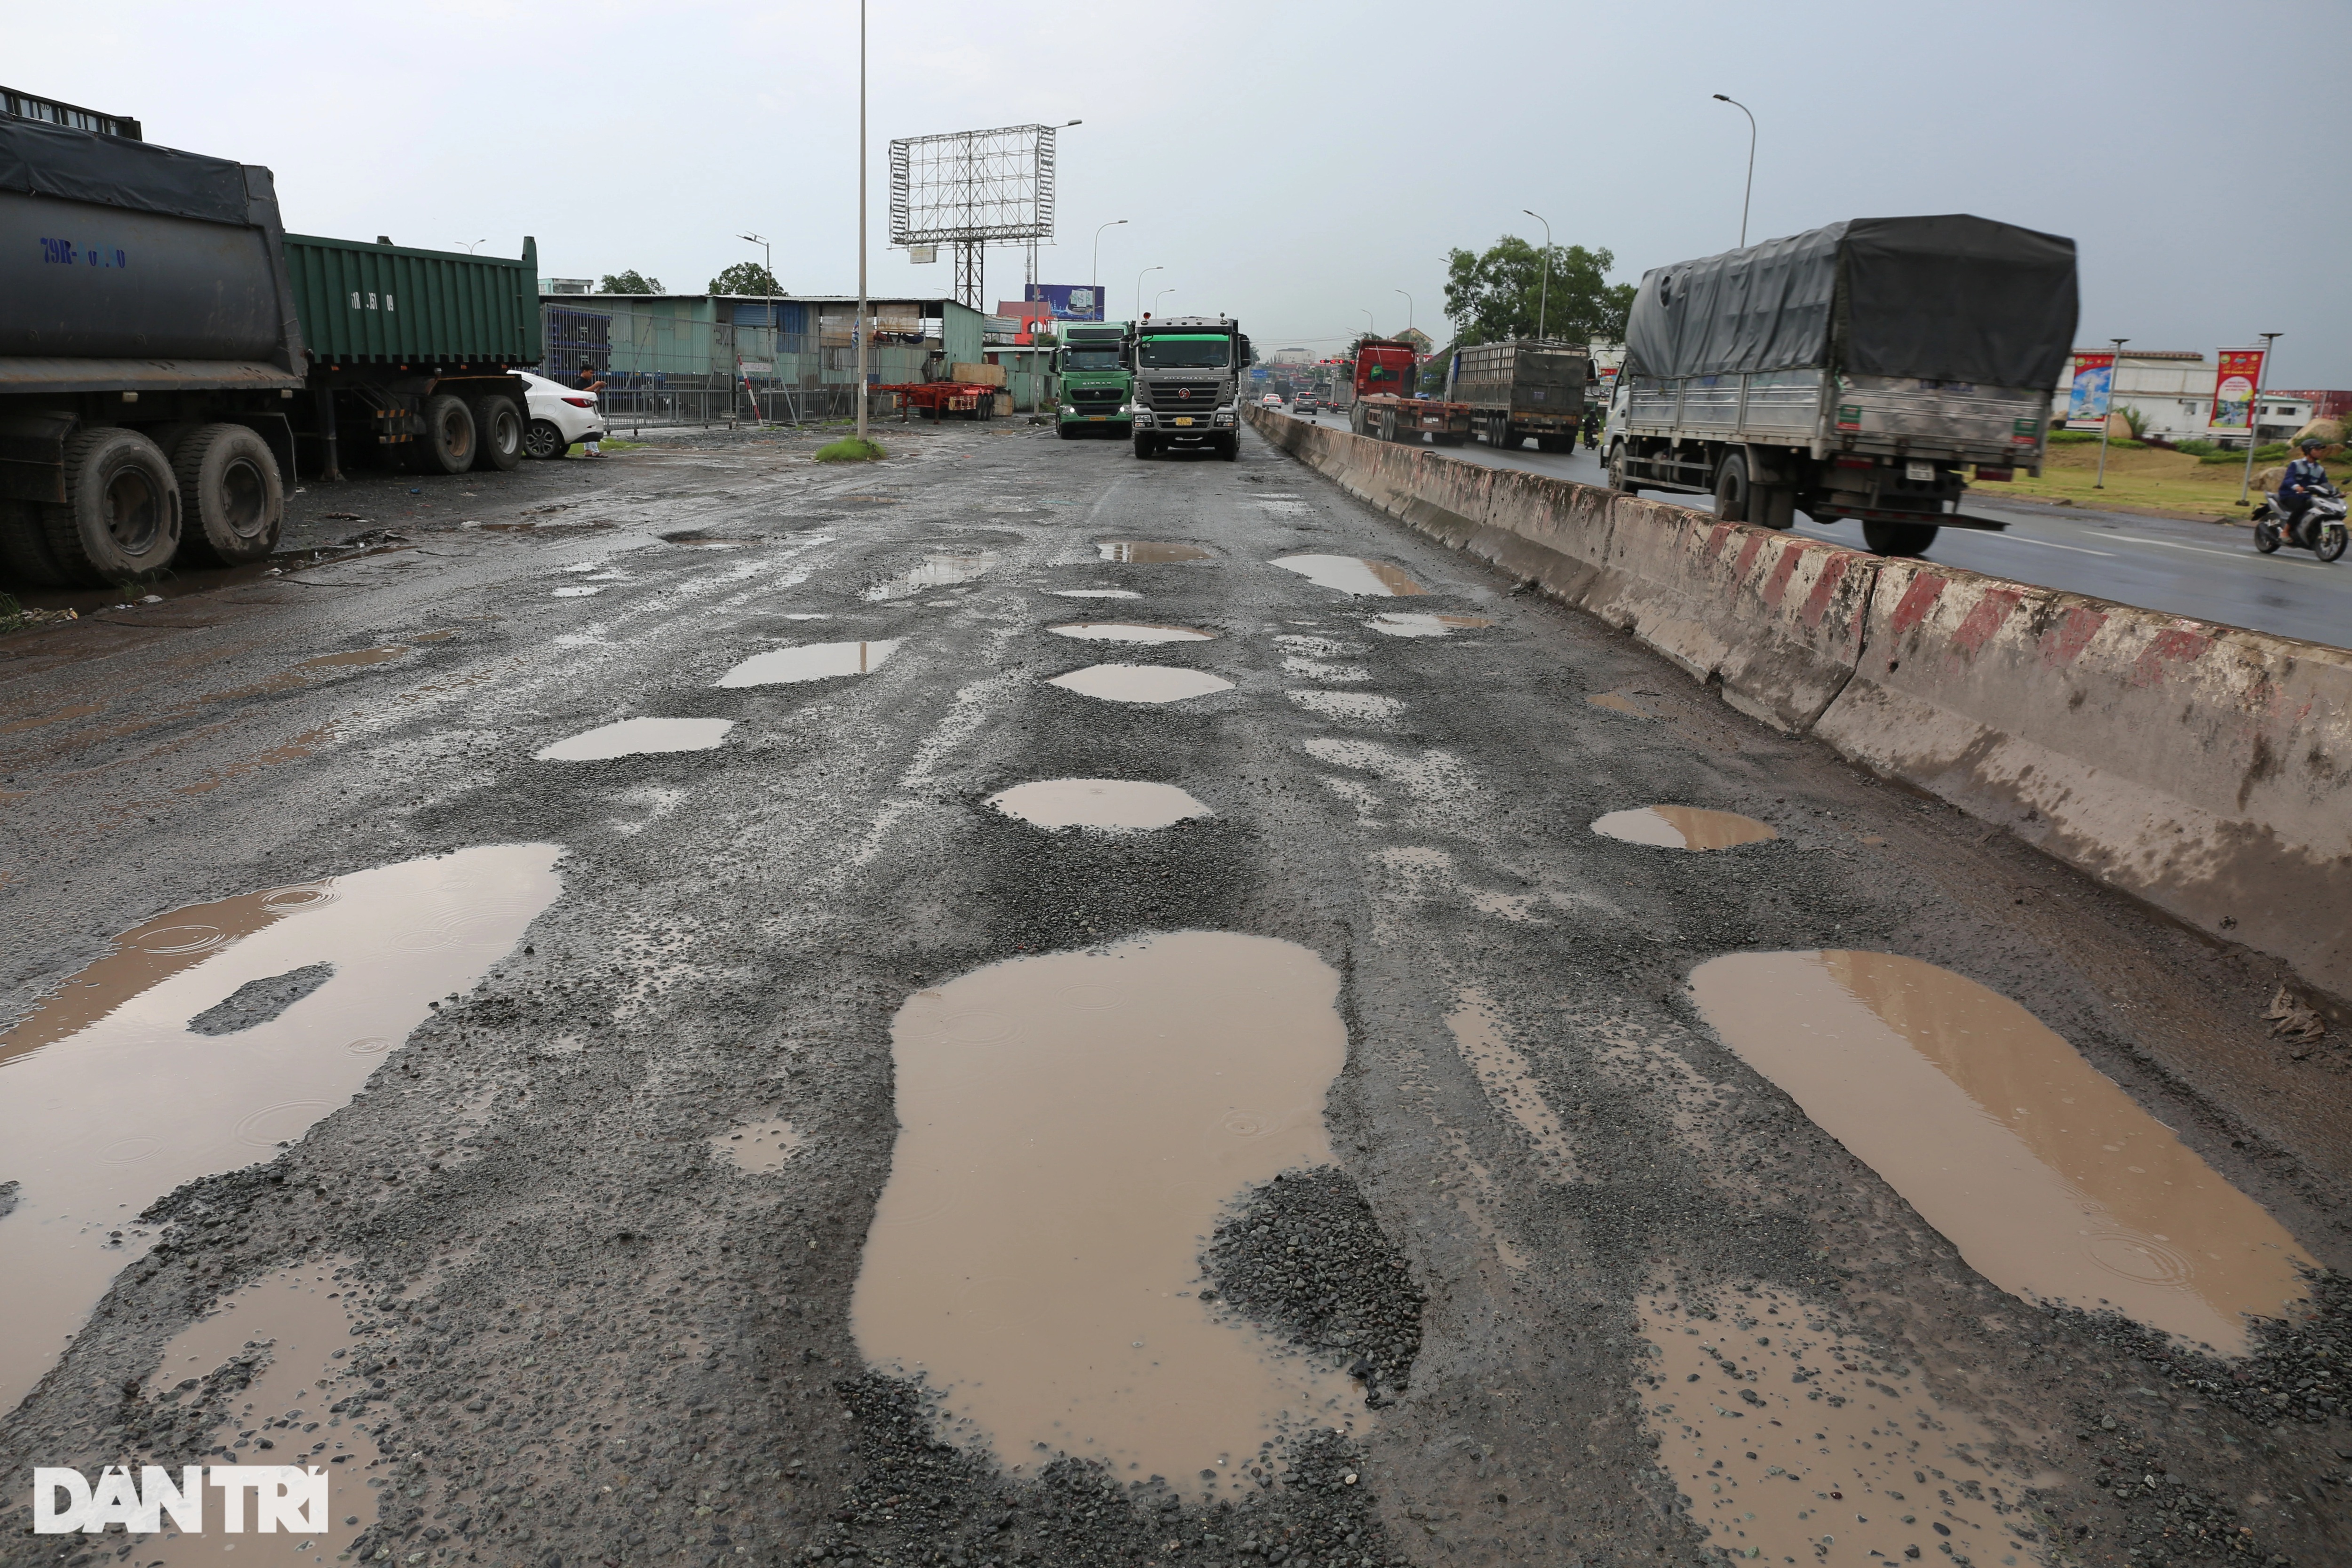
1351, 575
1149, 551
296, 1318
109, 1100
1795, 1445
1683, 827
1141, 682
634, 737
1130, 631
761, 1148
810, 661
1070, 1128
2049, 1179
1618, 702
1112, 804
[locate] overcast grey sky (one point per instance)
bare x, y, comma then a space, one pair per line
1292, 164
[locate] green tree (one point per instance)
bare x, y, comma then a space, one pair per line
1502, 293
630, 282
746, 277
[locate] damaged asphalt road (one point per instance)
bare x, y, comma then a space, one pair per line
550, 1102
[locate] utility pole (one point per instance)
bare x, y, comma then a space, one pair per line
775, 337
1751, 188
1543, 298
2115, 373
862, 334
2254, 415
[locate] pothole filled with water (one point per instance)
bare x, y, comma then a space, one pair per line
1149, 551
1796, 1444
1351, 575
1114, 804
1402, 624
634, 737
1098, 594
578, 592
810, 661
761, 1148
90, 1156
936, 572
1070, 1128
1683, 827
2048, 1178
292, 1321
1130, 631
1140, 682
1617, 702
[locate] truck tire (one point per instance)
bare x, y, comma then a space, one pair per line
25, 559
1617, 480
122, 514
232, 500
1731, 490
544, 440
497, 428
450, 441
1555, 443
1142, 446
1230, 446
1904, 538
1067, 432
1773, 507
1356, 422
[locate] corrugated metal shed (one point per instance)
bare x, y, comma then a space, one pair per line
386, 304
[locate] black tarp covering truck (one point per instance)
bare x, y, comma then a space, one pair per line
1856, 371
171, 360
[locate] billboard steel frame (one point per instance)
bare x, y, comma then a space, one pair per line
970, 188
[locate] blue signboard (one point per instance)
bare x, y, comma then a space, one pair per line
1257, 373
1070, 302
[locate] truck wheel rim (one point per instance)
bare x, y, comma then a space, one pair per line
455, 435
134, 510
244, 500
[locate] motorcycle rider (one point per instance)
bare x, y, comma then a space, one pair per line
2305, 479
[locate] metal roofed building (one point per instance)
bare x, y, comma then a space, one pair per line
803, 340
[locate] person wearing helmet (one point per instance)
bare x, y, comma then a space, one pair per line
2305, 479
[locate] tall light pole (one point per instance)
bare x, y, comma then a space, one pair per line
1162, 295
862, 334
775, 338
1752, 164
470, 244
1370, 330
1408, 308
1138, 288
2115, 373
2254, 416
1543, 295
1094, 275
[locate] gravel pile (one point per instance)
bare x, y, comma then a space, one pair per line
1302, 1258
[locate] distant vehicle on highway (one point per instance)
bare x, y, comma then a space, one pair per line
1305, 404
1271, 400
1095, 364
560, 416
1519, 388
1188, 385
1383, 404
1807, 372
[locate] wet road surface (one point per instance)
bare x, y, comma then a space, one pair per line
2196, 569
809, 1051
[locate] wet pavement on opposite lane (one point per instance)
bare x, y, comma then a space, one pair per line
658, 1190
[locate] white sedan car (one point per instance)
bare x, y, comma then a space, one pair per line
1271, 400
560, 416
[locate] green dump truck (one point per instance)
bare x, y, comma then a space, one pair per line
1095, 369
171, 361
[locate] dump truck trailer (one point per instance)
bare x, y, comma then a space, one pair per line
1856, 371
171, 361
1382, 373
1521, 387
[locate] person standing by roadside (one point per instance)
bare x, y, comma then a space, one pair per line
589, 380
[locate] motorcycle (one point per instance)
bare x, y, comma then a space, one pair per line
2320, 530
1592, 437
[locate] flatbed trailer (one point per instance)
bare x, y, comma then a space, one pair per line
1381, 371
943, 399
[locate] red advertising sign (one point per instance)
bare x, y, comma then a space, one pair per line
2238, 374
2093, 386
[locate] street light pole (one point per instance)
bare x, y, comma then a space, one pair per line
2114, 373
1094, 275
1138, 288
1543, 298
2254, 416
1750, 189
1408, 308
1370, 330
862, 334
1162, 295
775, 338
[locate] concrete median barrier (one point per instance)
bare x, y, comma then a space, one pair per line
2203, 768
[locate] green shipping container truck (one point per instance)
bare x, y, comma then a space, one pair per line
171, 361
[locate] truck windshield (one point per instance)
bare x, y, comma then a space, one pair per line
1090, 359
1185, 353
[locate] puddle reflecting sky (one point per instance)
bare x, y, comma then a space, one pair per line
90, 1155
299, 1313
1149, 551
633, 737
1098, 594
1130, 631
1141, 682
1351, 575
1070, 1127
1403, 624
1683, 827
1822, 1470
1098, 803
2052, 1182
810, 661
936, 572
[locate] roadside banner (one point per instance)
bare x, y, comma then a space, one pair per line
2239, 372
2095, 384
1068, 301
